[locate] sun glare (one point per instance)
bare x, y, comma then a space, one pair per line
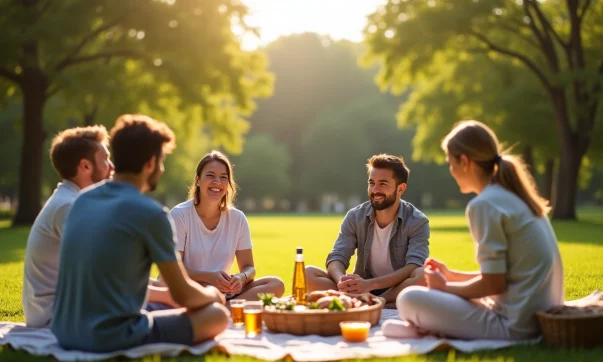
339, 19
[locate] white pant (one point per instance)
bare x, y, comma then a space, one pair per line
450, 315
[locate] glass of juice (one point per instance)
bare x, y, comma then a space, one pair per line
355, 331
252, 311
236, 310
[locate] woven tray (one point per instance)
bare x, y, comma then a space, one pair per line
319, 321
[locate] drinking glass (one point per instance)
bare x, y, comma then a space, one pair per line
236, 311
252, 312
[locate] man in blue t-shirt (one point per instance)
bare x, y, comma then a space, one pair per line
112, 236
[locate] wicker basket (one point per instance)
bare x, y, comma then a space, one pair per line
575, 330
319, 321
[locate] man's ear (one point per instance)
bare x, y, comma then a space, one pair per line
401, 189
85, 167
150, 165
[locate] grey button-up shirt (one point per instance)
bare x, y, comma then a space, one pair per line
408, 244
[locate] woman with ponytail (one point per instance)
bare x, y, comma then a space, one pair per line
211, 233
516, 248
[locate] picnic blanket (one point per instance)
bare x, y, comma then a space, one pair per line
267, 346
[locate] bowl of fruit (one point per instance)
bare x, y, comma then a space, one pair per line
321, 313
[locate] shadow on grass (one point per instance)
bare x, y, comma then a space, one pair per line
449, 229
12, 243
588, 230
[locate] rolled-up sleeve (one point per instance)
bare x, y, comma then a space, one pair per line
486, 226
346, 243
418, 243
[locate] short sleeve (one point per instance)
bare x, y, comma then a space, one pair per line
180, 227
160, 238
244, 237
486, 226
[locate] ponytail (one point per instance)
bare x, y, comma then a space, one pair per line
512, 174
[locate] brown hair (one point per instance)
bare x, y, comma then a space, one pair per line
394, 163
479, 143
72, 145
231, 192
136, 138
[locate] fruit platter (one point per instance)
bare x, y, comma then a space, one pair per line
321, 313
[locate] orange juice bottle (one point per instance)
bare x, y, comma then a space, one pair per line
299, 278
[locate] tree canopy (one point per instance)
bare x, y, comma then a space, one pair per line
422, 45
103, 56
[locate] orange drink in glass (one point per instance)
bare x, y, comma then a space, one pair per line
252, 312
236, 310
355, 331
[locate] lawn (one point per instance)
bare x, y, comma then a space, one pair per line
276, 237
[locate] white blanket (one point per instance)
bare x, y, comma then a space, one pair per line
267, 346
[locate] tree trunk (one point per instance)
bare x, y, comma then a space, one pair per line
567, 182
528, 158
549, 174
90, 116
30, 171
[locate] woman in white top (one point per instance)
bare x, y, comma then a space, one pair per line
516, 248
211, 232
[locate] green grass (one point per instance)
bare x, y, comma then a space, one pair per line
276, 237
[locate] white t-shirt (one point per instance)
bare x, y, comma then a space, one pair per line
210, 250
41, 268
380, 259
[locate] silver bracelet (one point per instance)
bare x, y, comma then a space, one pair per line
245, 277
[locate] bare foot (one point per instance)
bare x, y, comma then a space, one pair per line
400, 329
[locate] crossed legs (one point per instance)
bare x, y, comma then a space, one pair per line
318, 279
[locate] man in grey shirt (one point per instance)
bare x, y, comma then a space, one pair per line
80, 156
391, 237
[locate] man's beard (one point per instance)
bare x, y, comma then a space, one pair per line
97, 176
388, 201
153, 179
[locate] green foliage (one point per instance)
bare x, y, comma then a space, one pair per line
339, 142
506, 97
313, 75
179, 61
262, 171
454, 76
540, 86
103, 50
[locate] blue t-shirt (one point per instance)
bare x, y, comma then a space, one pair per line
112, 236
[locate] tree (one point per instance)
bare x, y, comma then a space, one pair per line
8, 145
262, 170
560, 42
187, 45
507, 98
